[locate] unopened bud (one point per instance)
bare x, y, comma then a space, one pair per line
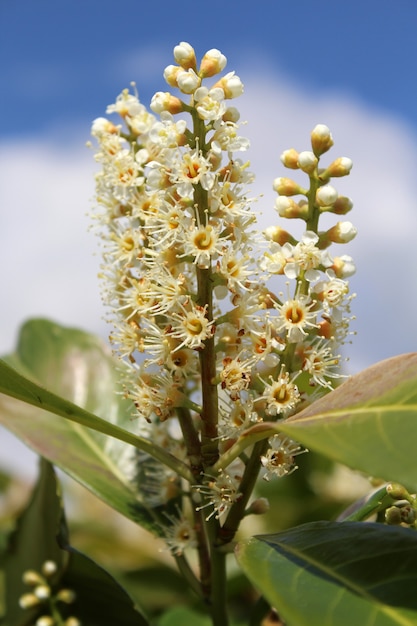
185, 56
66, 595
212, 63
49, 568
290, 159
231, 115
43, 592
231, 84
278, 235
321, 139
326, 196
30, 577
187, 81
287, 187
258, 507
339, 167
45, 620
342, 232
72, 621
171, 73
307, 161
287, 207
342, 205
28, 601
164, 101
393, 516
343, 266
397, 491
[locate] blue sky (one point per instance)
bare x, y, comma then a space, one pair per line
350, 65
63, 58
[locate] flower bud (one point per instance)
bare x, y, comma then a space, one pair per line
326, 196
258, 507
393, 516
185, 56
72, 621
43, 592
231, 84
30, 577
343, 266
342, 205
212, 63
342, 232
231, 115
164, 101
187, 81
28, 601
171, 73
278, 235
307, 161
397, 491
49, 568
290, 159
287, 207
321, 139
287, 187
339, 167
66, 595
45, 620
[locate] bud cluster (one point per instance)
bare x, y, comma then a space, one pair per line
46, 598
204, 341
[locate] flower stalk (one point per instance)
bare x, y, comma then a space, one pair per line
212, 357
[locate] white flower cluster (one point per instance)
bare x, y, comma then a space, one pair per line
201, 334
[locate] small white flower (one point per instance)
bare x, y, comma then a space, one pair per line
279, 459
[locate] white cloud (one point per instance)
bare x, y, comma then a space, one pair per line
48, 267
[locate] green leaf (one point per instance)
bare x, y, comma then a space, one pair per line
368, 423
32, 543
181, 615
77, 365
336, 574
100, 601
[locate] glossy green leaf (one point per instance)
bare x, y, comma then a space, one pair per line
368, 423
78, 366
100, 600
336, 574
41, 535
182, 615
32, 543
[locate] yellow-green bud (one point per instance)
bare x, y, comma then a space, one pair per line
326, 196
339, 167
278, 235
393, 516
290, 159
321, 139
185, 56
66, 595
287, 187
30, 577
213, 62
45, 620
49, 568
397, 491
258, 507
43, 592
307, 161
342, 205
28, 601
342, 232
287, 207
72, 621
